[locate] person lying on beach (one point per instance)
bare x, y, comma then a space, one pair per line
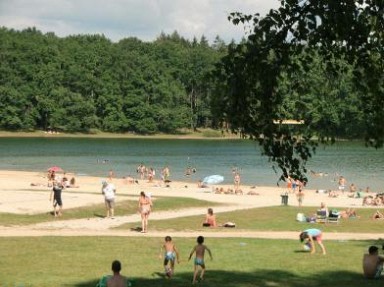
130, 180
37, 184
219, 190
252, 192
377, 215
229, 191
345, 214
239, 191
333, 193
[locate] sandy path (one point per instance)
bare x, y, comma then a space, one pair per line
19, 197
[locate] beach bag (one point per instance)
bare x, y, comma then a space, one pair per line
301, 217
229, 224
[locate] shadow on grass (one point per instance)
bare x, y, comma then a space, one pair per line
260, 278
136, 229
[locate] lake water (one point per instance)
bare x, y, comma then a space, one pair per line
83, 156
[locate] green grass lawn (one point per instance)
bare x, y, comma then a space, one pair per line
123, 207
81, 261
270, 219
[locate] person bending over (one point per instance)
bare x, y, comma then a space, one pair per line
310, 236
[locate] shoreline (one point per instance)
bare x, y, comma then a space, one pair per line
20, 197
183, 135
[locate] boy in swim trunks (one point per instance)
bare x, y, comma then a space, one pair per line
199, 249
170, 254
310, 236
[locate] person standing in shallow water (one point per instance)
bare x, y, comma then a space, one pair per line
342, 182
236, 181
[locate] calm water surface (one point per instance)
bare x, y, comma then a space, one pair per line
360, 165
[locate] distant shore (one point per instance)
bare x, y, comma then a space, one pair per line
206, 134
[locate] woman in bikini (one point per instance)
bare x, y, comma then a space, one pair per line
210, 219
145, 205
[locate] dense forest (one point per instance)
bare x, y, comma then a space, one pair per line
86, 83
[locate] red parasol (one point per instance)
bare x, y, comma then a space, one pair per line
55, 168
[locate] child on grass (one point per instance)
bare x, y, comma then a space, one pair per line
310, 236
170, 254
199, 250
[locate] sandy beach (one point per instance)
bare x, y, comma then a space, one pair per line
18, 196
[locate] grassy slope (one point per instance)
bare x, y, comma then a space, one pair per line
80, 261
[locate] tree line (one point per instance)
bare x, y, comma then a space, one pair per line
86, 83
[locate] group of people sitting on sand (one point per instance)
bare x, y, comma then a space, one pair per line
228, 191
221, 190
374, 199
53, 178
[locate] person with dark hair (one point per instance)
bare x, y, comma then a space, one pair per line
199, 250
372, 263
57, 201
170, 255
310, 236
145, 207
117, 280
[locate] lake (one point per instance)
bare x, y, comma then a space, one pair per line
94, 156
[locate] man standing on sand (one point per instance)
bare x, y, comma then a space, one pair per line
109, 192
57, 201
372, 263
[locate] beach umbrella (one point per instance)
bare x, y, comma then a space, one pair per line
213, 179
55, 168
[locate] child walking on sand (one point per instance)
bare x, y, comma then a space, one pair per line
199, 250
170, 254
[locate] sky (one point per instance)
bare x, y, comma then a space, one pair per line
144, 19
